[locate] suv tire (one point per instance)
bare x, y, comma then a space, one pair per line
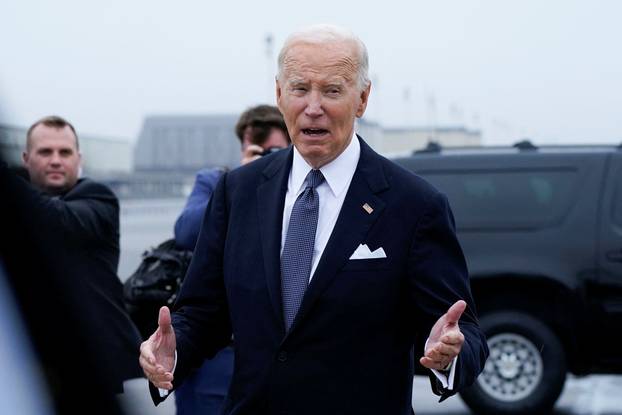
526, 370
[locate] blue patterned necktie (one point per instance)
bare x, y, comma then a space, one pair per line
297, 253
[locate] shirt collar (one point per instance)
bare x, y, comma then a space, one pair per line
337, 173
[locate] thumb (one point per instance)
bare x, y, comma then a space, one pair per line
455, 311
164, 320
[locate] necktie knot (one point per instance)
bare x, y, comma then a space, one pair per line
314, 178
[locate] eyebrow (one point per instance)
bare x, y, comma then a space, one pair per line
62, 149
296, 80
332, 83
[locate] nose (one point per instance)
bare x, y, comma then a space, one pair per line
314, 105
55, 159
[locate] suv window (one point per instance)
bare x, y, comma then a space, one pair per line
492, 199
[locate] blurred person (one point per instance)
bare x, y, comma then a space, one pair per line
327, 262
260, 129
58, 364
84, 216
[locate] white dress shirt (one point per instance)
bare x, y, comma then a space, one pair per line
332, 192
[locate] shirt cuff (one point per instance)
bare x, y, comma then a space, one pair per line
164, 392
446, 379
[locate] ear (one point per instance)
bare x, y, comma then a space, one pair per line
278, 93
24, 158
363, 104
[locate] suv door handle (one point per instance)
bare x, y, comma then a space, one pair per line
615, 256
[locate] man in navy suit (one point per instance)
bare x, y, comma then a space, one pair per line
381, 266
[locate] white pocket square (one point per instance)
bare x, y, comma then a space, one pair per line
363, 252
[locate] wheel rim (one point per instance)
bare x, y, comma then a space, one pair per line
513, 369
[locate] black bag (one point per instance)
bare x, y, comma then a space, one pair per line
155, 283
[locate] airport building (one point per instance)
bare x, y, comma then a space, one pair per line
398, 142
187, 143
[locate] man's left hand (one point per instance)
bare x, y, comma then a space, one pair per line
445, 340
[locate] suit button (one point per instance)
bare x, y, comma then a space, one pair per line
282, 356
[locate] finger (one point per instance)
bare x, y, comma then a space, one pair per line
161, 369
165, 382
252, 152
248, 159
163, 385
455, 311
453, 337
432, 364
146, 351
427, 362
443, 352
438, 355
253, 149
161, 377
164, 321
148, 367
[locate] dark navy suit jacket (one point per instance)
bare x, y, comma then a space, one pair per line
350, 349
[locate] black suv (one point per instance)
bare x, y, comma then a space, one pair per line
541, 228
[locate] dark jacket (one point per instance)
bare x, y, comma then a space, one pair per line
350, 349
85, 223
54, 306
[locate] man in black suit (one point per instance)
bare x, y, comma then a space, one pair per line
327, 263
83, 217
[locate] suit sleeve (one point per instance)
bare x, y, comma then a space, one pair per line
439, 278
201, 317
82, 214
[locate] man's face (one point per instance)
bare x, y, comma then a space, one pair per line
276, 138
250, 152
320, 99
52, 159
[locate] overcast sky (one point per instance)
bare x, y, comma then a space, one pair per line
550, 70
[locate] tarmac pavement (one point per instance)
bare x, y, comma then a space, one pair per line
590, 395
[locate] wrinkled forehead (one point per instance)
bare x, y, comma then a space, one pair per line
328, 60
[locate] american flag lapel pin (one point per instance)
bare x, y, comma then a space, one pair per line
368, 208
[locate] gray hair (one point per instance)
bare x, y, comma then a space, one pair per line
326, 33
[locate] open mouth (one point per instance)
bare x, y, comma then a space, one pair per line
314, 132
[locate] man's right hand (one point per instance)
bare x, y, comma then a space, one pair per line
251, 153
157, 353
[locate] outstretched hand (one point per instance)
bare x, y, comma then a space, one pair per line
445, 340
157, 353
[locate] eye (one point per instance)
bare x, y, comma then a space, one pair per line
66, 153
333, 91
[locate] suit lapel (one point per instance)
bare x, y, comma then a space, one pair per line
273, 188
351, 227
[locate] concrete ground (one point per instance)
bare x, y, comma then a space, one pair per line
591, 395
